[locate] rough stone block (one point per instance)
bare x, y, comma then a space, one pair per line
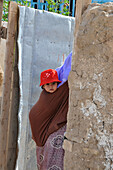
68, 145
90, 115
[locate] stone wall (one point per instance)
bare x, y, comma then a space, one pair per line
89, 144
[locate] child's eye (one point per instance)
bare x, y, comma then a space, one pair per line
47, 84
54, 83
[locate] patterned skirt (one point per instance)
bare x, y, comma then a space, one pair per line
51, 155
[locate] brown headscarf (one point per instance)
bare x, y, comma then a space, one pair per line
49, 113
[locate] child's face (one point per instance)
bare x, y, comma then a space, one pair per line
50, 87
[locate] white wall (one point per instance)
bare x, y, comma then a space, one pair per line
43, 39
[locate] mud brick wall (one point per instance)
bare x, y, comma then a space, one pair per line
89, 144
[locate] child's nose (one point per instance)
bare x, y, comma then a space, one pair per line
51, 84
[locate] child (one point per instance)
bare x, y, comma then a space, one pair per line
48, 117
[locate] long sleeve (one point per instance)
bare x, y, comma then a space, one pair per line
64, 70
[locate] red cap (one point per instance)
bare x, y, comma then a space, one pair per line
49, 76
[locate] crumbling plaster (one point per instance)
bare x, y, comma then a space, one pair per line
89, 144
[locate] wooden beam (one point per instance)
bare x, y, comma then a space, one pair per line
12, 135
7, 91
12, 146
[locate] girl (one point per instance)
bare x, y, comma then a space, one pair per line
48, 117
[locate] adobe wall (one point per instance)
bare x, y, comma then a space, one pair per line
2, 56
89, 144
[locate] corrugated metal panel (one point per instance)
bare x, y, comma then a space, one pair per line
43, 39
